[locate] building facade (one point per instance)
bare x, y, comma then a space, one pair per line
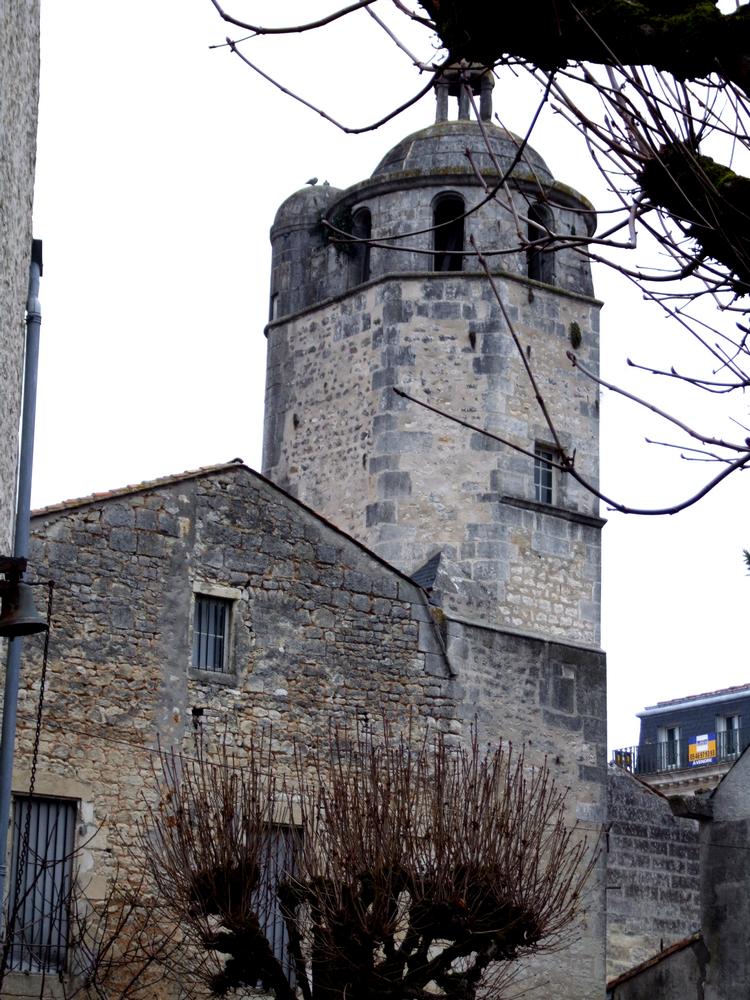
317, 628
392, 562
714, 962
686, 745
19, 94
653, 873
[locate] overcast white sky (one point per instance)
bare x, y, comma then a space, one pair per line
160, 167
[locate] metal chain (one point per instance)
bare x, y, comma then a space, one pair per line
24, 850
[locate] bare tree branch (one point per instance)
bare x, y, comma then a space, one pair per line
259, 29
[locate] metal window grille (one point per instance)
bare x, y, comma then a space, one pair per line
210, 626
41, 902
543, 475
279, 860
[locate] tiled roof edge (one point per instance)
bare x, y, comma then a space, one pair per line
149, 484
654, 960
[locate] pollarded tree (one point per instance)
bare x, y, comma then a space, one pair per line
377, 869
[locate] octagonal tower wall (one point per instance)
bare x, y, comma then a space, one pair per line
413, 485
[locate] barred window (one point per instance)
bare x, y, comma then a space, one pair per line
211, 633
40, 898
544, 481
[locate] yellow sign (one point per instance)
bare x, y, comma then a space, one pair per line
702, 750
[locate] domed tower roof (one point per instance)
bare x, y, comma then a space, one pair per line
441, 149
305, 207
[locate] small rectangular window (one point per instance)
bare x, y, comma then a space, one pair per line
728, 735
669, 747
544, 482
211, 633
43, 844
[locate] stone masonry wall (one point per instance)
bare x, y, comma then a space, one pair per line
19, 84
653, 886
725, 877
321, 629
547, 699
677, 975
407, 482
308, 266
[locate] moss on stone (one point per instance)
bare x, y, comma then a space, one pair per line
711, 200
688, 38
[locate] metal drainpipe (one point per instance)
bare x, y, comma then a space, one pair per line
21, 545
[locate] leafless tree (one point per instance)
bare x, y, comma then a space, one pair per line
118, 947
380, 867
660, 96
121, 947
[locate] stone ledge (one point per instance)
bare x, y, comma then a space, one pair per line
544, 508
28, 984
224, 678
408, 276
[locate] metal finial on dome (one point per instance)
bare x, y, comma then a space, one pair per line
459, 80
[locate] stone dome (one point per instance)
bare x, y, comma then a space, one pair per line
440, 149
305, 207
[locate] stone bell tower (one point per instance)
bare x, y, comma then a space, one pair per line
500, 535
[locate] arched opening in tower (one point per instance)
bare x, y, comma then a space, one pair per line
540, 261
448, 235
360, 262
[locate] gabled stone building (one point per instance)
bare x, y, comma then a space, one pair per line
317, 627
221, 600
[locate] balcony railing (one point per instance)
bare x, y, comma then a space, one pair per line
673, 755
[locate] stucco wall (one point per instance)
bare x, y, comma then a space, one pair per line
407, 482
19, 83
653, 884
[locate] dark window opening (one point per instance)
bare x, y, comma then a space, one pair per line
669, 747
361, 230
273, 312
448, 235
540, 260
210, 633
280, 850
728, 735
41, 899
